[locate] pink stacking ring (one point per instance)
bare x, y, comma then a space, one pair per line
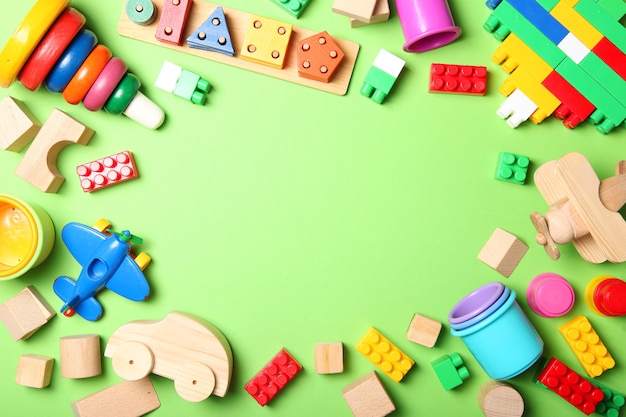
105, 84
550, 295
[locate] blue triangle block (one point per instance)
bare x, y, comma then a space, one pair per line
213, 35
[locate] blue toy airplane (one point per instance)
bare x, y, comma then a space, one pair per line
106, 262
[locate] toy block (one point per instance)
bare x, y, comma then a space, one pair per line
126, 399
512, 168
611, 55
367, 397
293, 7
574, 106
612, 403
141, 12
80, 356
576, 24
173, 21
108, 171
500, 399
513, 53
616, 8
266, 41
459, 79
328, 358
605, 76
382, 76
185, 84
18, 126
423, 331
381, 14
523, 80
573, 48
25, 313
517, 108
356, 9
34, 371
38, 166
602, 20
570, 386
270, 380
318, 57
384, 354
450, 370
503, 252
540, 18
213, 35
587, 346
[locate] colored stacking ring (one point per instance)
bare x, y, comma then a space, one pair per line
51, 48
550, 295
105, 84
87, 74
123, 94
26, 37
71, 60
141, 12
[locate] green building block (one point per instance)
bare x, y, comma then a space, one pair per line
605, 76
512, 168
611, 28
549, 4
612, 403
293, 7
192, 87
616, 8
382, 76
450, 370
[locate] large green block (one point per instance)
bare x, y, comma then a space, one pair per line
611, 28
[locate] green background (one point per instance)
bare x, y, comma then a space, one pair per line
287, 216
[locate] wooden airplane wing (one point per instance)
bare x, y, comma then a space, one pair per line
81, 241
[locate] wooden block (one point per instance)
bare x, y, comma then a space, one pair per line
25, 313
39, 165
328, 358
319, 57
381, 14
80, 356
266, 41
173, 20
423, 330
34, 371
499, 399
126, 399
367, 397
503, 251
18, 126
357, 9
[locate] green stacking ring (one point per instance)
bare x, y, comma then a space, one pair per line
123, 94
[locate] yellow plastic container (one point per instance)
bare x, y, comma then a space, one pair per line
26, 236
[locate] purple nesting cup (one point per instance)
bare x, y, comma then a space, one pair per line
426, 24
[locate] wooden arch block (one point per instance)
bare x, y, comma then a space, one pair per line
18, 126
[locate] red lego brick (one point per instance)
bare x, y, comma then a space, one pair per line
574, 106
611, 55
318, 57
273, 377
173, 20
107, 171
575, 389
459, 79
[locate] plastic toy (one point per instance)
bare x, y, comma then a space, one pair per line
293, 7
496, 331
356, 9
107, 263
423, 331
173, 20
213, 35
570, 386
459, 79
503, 252
108, 171
18, 126
80, 356
26, 236
328, 358
612, 403
384, 354
550, 295
512, 168
141, 12
367, 397
381, 14
318, 57
182, 83
25, 313
606, 295
34, 371
426, 24
382, 76
499, 399
270, 380
266, 41
192, 352
127, 398
582, 210
587, 346
450, 370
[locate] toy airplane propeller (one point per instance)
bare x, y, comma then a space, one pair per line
107, 263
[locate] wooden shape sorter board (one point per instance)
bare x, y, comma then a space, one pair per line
237, 24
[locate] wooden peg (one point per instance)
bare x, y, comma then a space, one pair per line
173, 20
39, 165
25, 313
499, 399
34, 371
80, 356
328, 358
18, 126
126, 399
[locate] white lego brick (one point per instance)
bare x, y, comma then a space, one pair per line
517, 108
389, 63
573, 48
168, 77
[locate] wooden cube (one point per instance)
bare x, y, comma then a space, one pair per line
25, 313
329, 358
80, 356
356, 9
423, 330
34, 371
367, 397
126, 399
503, 251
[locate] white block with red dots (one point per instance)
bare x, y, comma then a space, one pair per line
107, 171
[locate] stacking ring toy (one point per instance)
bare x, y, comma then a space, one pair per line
123, 94
71, 60
87, 74
104, 85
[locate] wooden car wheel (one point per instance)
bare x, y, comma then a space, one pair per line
194, 382
133, 361
142, 260
102, 225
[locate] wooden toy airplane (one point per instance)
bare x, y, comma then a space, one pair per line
107, 262
582, 209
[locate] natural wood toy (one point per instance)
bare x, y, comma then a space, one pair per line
192, 352
18, 126
80, 356
503, 252
423, 330
126, 399
25, 313
499, 399
34, 371
328, 357
367, 397
582, 209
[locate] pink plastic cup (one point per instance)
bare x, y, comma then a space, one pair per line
427, 24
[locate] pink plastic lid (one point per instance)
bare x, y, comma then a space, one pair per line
550, 295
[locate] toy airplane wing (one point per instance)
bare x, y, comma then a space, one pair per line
81, 241
129, 281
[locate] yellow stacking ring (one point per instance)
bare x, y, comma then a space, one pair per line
26, 37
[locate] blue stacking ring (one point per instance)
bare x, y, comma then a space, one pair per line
71, 60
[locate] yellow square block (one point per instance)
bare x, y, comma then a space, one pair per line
266, 41
384, 354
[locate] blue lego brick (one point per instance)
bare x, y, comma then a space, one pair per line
538, 16
492, 4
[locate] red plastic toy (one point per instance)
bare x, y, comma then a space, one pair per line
459, 79
273, 377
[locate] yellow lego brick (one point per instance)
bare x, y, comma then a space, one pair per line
587, 346
524, 81
382, 353
576, 24
513, 53
266, 41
